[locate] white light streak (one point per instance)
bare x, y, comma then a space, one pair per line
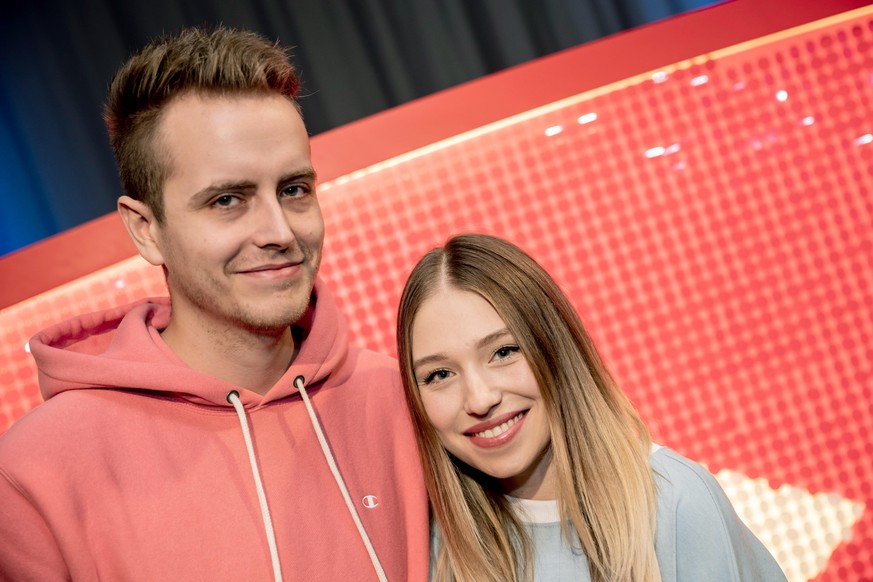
554, 130
662, 151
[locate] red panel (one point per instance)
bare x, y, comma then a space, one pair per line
357, 145
546, 80
62, 258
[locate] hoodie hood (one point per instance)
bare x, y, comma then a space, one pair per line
122, 348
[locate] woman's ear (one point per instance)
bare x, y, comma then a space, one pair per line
143, 228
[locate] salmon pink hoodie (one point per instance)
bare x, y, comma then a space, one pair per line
136, 467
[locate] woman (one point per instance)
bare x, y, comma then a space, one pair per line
537, 465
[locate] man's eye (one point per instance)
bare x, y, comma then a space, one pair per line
225, 201
295, 191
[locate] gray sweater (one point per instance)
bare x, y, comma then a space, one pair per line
699, 536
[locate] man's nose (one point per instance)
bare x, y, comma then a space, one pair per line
273, 225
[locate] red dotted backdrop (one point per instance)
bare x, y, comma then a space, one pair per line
713, 223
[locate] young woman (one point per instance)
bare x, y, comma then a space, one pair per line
537, 465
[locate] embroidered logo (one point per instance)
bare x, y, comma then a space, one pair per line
370, 501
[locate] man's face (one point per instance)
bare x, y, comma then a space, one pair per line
242, 235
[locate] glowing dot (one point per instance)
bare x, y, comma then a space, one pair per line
701, 80
864, 139
587, 118
782, 95
554, 130
659, 77
655, 152
119, 284
679, 166
739, 86
27, 347
808, 120
671, 149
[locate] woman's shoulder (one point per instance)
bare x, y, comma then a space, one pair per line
699, 535
689, 496
682, 477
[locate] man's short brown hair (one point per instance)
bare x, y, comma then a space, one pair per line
221, 61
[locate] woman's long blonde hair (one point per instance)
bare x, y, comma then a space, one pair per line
599, 445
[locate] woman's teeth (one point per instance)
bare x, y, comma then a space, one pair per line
500, 429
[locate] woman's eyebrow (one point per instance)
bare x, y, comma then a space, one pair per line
493, 336
428, 360
438, 357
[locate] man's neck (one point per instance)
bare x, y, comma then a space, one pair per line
254, 361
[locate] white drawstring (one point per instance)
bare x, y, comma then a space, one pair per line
233, 398
298, 382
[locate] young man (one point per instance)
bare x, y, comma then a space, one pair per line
236, 436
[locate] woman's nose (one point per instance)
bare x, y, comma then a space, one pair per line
481, 396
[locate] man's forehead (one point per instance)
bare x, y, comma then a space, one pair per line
213, 140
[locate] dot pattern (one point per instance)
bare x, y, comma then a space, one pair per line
713, 223
801, 530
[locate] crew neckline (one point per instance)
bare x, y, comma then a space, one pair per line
544, 510
535, 510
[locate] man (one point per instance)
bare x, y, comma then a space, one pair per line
236, 436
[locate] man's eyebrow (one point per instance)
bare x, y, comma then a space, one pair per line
491, 337
243, 185
303, 174
220, 188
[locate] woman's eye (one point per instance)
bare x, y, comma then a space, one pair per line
436, 376
505, 352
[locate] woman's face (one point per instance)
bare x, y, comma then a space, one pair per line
480, 394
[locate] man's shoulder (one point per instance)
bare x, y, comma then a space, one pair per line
369, 374
49, 431
373, 358
63, 418
368, 363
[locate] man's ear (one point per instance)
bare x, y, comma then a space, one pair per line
143, 227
